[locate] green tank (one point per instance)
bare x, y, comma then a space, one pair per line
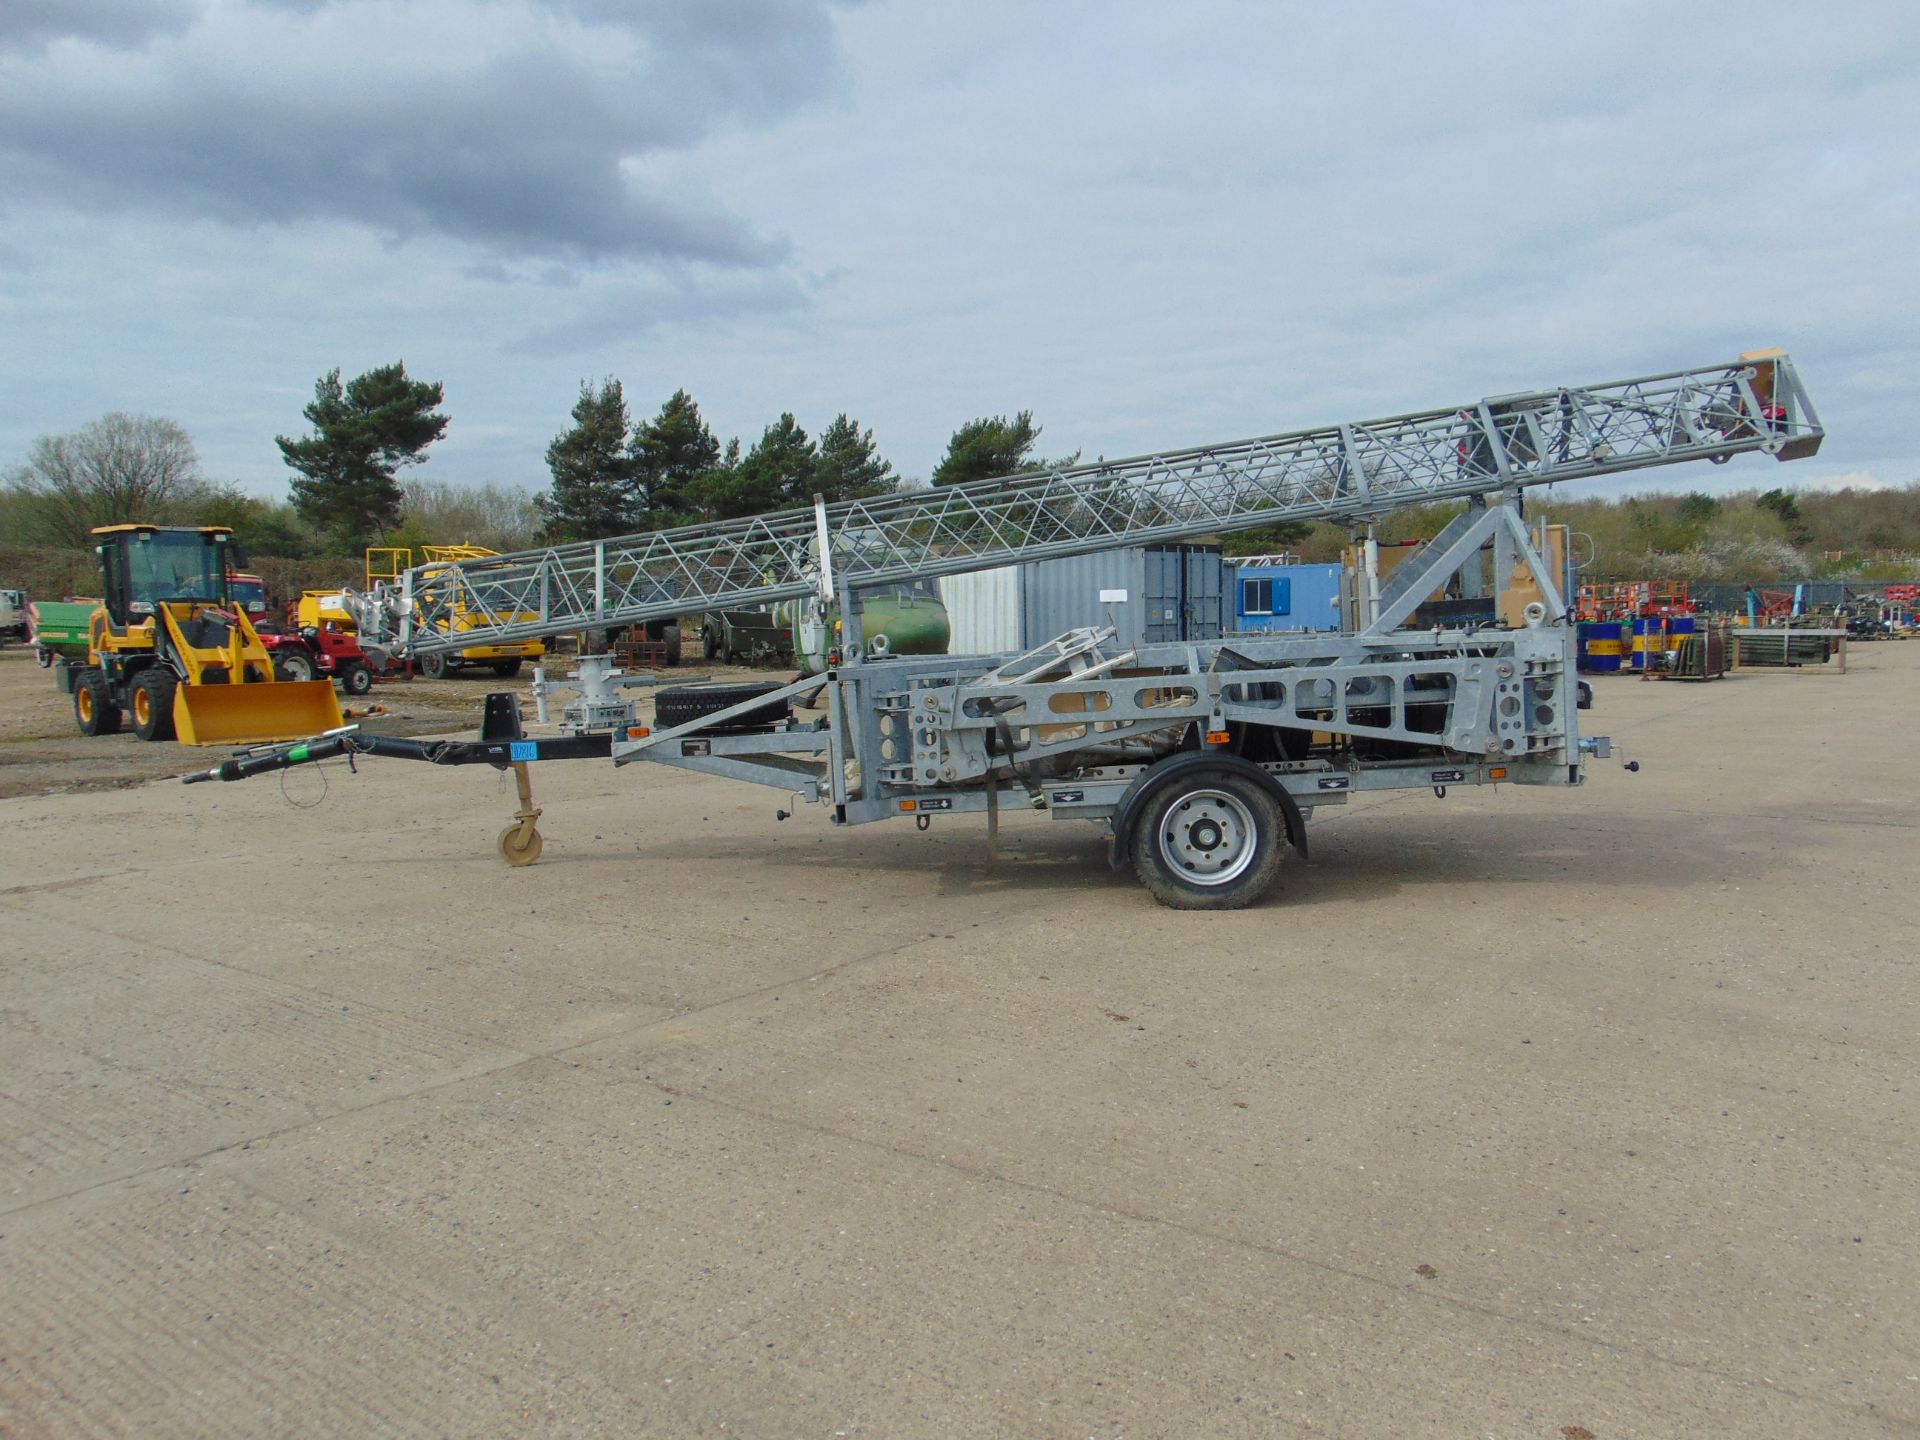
903, 619
59, 628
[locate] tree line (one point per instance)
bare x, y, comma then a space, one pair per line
356, 483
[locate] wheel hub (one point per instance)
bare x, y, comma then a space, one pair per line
1208, 836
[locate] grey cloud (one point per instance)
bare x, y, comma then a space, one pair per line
30, 24
518, 148
635, 310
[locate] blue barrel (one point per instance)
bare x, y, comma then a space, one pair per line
1679, 626
1599, 646
1647, 638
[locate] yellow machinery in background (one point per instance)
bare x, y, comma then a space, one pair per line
315, 608
503, 658
170, 650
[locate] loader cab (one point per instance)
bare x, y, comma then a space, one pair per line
143, 566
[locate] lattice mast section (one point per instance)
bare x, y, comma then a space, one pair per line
1342, 472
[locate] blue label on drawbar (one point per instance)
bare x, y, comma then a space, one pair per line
524, 750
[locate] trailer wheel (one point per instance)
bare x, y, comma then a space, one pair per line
293, 663
355, 677
518, 848
434, 666
682, 703
1208, 841
714, 644
152, 706
93, 707
506, 669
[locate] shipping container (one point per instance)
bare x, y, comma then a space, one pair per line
1149, 595
1285, 597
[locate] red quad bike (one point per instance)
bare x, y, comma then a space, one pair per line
320, 651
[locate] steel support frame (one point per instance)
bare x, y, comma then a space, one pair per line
937, 729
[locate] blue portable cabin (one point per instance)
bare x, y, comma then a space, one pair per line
1275, 593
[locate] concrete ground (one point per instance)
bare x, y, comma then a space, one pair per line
1519, 1114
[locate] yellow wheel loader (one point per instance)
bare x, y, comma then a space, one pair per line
170, 650
502, 657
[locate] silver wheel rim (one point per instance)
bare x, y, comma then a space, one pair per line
1207, 837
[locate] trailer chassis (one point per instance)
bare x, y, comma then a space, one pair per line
1203, 760
1082, 729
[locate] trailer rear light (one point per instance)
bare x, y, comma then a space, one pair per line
1498, 772
909, 804
638, 732
1219, 737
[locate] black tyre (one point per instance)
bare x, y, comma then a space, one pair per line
93, 707
152, 703
1208, 840
355, 677
434, 666
672, 636
290, 662
506, 669
683, 703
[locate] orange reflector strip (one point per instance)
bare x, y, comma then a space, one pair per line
1499, 772
1219, 737
638, 732
908, 804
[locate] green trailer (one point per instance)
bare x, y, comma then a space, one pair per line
57, 629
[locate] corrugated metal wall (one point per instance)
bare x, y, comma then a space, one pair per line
1061, 595
1173, 592
983, 607
1179, 592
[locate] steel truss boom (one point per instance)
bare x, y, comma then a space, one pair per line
1342, 472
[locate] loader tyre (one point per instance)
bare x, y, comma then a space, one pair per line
93, 707
152, 703
683, 703
293, 664
355, 677
434, 666
1209, 840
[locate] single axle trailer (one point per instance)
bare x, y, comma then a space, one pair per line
1203, 761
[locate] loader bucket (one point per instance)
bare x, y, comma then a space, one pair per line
254, 714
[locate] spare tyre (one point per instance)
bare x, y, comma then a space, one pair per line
682, 703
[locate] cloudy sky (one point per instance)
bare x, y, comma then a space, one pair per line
1152, 224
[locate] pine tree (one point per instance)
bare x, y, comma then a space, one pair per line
777, 474
673, 451
596, 485
989, 447
364, 432
849, 468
